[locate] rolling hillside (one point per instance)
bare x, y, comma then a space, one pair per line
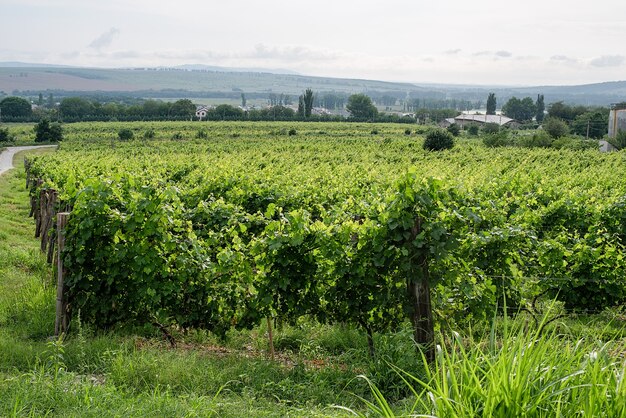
203, 81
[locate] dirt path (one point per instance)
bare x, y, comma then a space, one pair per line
6, 157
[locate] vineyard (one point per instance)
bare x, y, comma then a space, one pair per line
224, 227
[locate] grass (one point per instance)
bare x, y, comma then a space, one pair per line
515, 373
574, 368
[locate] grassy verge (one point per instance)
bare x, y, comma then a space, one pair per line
514, 372
503, 371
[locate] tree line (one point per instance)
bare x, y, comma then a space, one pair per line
591, 122
79, 109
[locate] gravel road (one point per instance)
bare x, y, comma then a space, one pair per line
6, 158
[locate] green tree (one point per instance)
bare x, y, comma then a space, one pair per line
15, 107
332, 101
154, 109
125, 134
454, 129
540, 108
565, 112
183, 108
491, 128
226, 112
438, 140
491, 104
555, 127
360, 106
110, 109
301, 106
308, 98
48, 132
76, 108
592, 124
277, 112
521, 110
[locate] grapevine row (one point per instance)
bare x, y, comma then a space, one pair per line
224, 232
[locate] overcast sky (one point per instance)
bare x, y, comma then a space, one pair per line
528, 42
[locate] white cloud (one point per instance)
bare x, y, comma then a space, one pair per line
290, 53
105, 39
608, 61
564, 59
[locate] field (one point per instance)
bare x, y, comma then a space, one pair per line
204, 234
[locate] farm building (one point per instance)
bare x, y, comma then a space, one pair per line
201, 112
464, 119
617, 119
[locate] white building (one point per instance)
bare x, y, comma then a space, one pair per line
202, 111
464, 119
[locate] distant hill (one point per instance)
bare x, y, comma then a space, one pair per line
135, 79
202, 67
17, 64
195, 80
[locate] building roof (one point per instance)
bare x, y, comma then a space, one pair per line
499, 119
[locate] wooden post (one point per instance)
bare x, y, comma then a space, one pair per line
33, 205
62, 316
271, 337
27, 169
51, 201
34, 212
40, 213
418, 289
50, 251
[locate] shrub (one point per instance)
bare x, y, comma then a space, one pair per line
149, 134
48, 132
177, 135
438, 139
202, 133
491, 128
407, 132
537, 140
567, 142
374, 132
5, 136
454, 129
555, 127
125, 134
472, 129
292, 132
619, 141
528, 126
497, 139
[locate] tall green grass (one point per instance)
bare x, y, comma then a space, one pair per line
514, 372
